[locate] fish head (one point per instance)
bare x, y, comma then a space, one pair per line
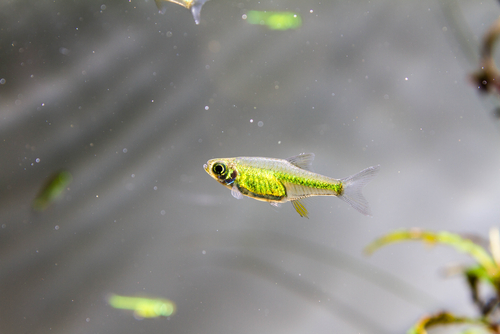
223, 170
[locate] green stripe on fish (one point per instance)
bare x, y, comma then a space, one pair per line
279, 181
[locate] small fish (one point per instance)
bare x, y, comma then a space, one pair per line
275, 20
143, 307
279, 181
52, 190
194, 5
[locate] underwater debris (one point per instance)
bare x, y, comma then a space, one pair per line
194, 5
487, 78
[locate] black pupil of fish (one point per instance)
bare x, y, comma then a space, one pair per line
219, 169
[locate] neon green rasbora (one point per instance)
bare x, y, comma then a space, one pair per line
281, 180
143, 307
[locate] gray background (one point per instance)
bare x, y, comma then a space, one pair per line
118, 95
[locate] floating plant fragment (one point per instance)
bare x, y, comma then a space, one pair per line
143, 307
52, 189
194, 5
275, 20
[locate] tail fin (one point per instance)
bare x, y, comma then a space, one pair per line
353, 186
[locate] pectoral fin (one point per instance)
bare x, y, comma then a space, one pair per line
236, 192
300, 207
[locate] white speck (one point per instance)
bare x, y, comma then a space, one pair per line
152, 101
386, 97
4, 225
132, 176
37, 160
155, 188
87, 320
406, 79
207, 67
162, 212
260, 124
200, 140
96, 196
3, 81
203, 252
251, 120
279, 142
43, 104
56, 227
64, 51
207, 107
333, 94
311, 11
124, 150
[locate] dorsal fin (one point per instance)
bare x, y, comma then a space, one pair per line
303, 160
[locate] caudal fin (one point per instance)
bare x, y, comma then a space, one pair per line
353, 186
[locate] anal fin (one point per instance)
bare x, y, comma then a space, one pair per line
300, 207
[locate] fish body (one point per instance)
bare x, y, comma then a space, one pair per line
193, 5
143, 307
52, 190
283, 180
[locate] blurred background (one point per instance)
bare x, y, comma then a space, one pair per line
132, 103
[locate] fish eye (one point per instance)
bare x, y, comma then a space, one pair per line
219, 168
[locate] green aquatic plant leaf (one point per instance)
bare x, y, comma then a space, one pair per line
461, 244
143, 307
275, 20
443, 319
52, 190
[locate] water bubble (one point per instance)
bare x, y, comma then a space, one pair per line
124, 150
260, 124
169, 34
56, 227
3, 81
87, 320
386, 97
37, 160
155, 188
203, 252
132, 176
103, 7
207, 107
162, 212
